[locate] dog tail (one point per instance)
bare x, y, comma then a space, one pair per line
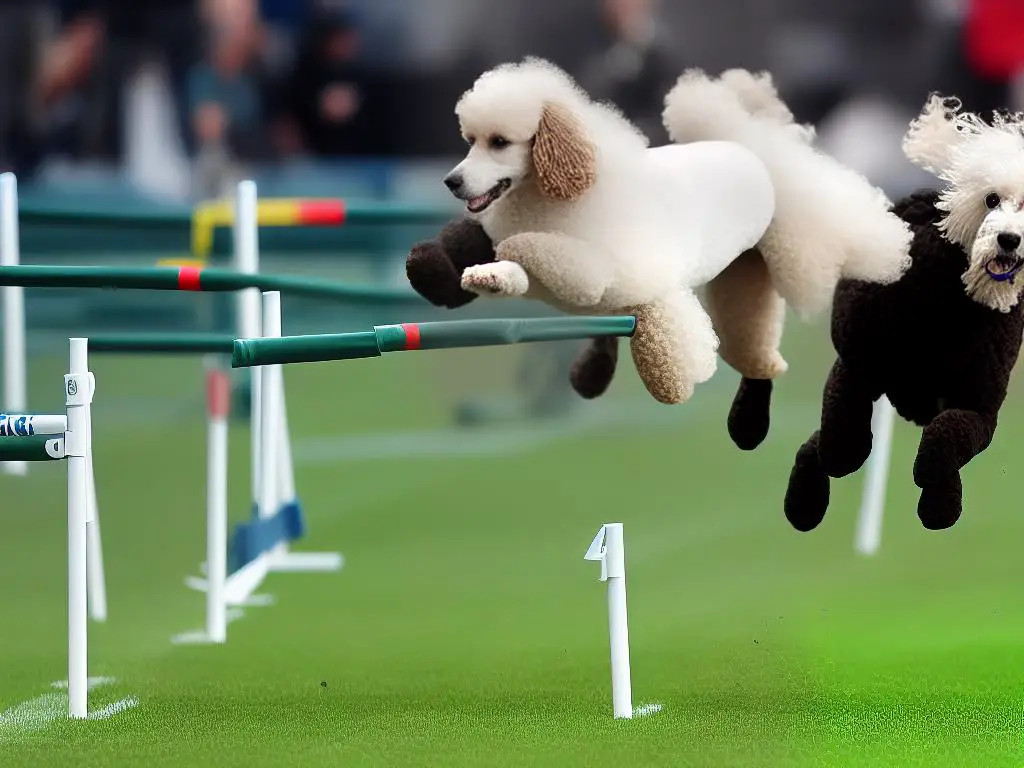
830, 223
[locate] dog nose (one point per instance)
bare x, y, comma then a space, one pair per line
1008, 241
453, 181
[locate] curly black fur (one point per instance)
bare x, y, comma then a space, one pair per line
435, 267
942, 359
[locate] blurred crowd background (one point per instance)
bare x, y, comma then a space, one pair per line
184, 94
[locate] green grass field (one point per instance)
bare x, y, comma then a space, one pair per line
466, 629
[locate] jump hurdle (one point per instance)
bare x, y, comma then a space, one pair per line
269, 353
260, 546
66, 438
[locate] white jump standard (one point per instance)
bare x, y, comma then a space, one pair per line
72, 442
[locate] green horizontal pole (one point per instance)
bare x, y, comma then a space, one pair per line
355, 213
194, 279
448, 334
33, 448
304, 349
162, 343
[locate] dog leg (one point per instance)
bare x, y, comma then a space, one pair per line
594, 368
808, 492
502, 278
952, 439
674, 347
566, 268
846, 439
748, 315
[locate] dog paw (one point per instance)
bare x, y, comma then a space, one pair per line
502, 278
940, 507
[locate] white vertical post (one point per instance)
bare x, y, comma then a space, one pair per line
78, 390
94, 543
269, 417
286, 472
247, 262
872, 507
218, 398
14, 398
608, 548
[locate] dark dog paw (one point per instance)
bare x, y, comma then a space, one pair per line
594, 368
940, 506
750, 415
808, 493
432, 275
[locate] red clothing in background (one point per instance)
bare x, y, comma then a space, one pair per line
994, 37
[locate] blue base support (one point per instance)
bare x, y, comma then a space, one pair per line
259, 535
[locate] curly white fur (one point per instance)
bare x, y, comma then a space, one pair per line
653, 225
829, 221
982, 167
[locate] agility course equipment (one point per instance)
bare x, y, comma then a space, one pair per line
15, 395
269, 353
71, 441
608, 548
404, 337
276, 514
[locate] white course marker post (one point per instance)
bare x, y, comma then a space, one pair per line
607, 547
218, 399
14, 398
94, 543
872, 507
78, 389
270, 407
218, 410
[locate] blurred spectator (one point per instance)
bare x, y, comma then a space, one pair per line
224, 99
22, 25
321, 104
620, 54
98, 50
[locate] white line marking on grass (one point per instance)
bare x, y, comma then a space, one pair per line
114, 709
91, 684
38, 713
647, 709
33, 715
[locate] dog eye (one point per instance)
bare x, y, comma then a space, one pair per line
470, 140
991, 200
499, 142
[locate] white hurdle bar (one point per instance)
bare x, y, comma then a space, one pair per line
74, 446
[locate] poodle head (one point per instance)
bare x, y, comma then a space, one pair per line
523, 122
981, 165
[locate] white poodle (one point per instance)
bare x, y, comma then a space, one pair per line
586, 217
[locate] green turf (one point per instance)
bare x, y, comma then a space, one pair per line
466, 629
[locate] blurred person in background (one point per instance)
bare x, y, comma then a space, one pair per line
622, 53
225, 98
23, 25
96, 52
321, 103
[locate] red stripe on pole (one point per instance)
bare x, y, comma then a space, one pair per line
412, 335
322, 213
218, 395
188, 279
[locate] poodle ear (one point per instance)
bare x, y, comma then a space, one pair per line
935, 133
564, 157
